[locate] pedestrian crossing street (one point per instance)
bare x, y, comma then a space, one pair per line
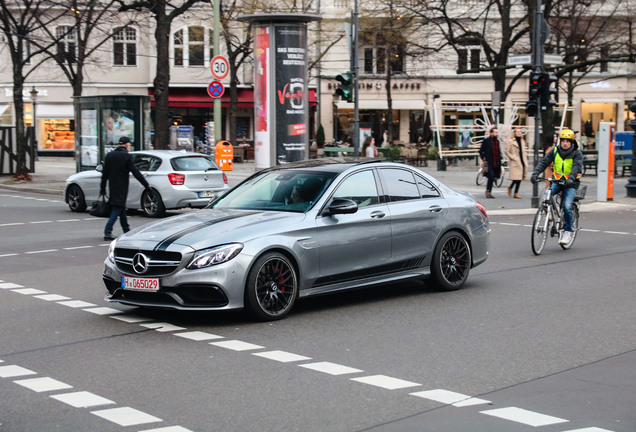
107, 409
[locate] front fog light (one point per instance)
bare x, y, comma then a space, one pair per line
215, 255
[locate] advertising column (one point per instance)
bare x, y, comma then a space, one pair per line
291, 100
605, 169
261, 98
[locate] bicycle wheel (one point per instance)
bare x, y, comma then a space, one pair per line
540, 229
575, 226
500, 180
481, 178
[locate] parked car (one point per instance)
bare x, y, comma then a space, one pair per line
298, 230
178, 179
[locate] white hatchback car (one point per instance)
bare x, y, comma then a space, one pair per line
178, 179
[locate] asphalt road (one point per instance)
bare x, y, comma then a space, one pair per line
544, 342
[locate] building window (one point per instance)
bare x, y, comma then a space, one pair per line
192, 46
604, 54
377, 53
468, 58
125, 47
66, 44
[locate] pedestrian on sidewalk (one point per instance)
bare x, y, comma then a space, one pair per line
490, 153
517, 153
117, 166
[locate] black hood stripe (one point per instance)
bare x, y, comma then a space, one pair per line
163, 245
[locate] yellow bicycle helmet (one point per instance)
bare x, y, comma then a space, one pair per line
567, 134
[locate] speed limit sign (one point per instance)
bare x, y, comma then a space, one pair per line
219, 67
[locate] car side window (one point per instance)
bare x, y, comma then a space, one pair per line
146, 162
426, 188
399, 185
359, 187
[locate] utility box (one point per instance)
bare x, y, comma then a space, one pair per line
605, 142
224, 156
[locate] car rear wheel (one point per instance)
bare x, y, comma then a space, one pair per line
272, 287
152, 205
451, 262
75, 198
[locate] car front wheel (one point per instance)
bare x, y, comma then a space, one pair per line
272, 287
152, 205
75, 198
451, 262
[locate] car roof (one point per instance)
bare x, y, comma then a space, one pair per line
170, 153
331, 164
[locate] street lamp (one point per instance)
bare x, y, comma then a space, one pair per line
34, 97
631, 183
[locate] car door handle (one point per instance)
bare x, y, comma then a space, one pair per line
435, 209
377, 215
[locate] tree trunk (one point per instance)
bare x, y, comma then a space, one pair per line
22, 145
389, 103
162, 79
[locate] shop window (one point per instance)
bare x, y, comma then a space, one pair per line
192, 46
125, 47
66, 44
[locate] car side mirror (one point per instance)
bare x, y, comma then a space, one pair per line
99, 168
341, 206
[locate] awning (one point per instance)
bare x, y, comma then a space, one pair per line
199, 98
381, 104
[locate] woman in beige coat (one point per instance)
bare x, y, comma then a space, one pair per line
517, 153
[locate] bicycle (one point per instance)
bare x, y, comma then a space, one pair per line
549, 219
481, 176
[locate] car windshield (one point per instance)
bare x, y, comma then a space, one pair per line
279, 190
193, 163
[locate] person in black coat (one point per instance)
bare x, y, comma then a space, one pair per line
490, 153
117, 165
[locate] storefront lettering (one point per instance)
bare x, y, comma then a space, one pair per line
26, 93
380, 85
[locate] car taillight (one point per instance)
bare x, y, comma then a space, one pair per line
224, 178
481, 208
176, 179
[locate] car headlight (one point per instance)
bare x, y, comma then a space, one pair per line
111, 251
215, 255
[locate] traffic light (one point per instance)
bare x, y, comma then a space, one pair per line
536, 83
532, 109
345, 91
548, 90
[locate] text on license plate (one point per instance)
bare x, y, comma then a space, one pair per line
140, 284
207, 194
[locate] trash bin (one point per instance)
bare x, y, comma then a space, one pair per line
441, 165
224, 156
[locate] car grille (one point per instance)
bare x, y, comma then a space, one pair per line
159, 263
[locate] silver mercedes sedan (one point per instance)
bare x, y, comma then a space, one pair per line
299, 230
178, 179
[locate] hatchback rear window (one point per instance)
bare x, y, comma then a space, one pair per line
193, 163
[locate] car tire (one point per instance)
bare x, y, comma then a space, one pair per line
272, 287
152, 204
451, 262
75, 198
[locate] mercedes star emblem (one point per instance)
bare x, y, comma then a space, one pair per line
140, 263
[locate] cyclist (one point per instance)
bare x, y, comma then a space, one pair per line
568, 165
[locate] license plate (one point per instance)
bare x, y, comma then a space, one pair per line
140, 284
207, 194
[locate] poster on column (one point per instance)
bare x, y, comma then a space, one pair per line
291, 93
261, 98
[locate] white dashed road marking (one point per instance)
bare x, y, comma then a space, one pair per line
82, 399
9, 285
52, 297
450, 398
168, 429
331, 368
281, 356
11, 371
520, 415
126, 416
198, 336
131, 319
76, 304
43, 384
237, 345
28, 291
162, 327
103, 311
386, 382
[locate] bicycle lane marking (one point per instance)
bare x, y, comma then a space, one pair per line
580, 229
516, 414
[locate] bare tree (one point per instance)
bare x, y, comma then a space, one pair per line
20, 21
163, 12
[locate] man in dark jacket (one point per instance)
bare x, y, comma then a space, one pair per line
117, 165
568, 165
490, 154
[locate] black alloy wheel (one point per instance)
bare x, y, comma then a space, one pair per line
152, 205
272, 287
451, 262
75, 198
